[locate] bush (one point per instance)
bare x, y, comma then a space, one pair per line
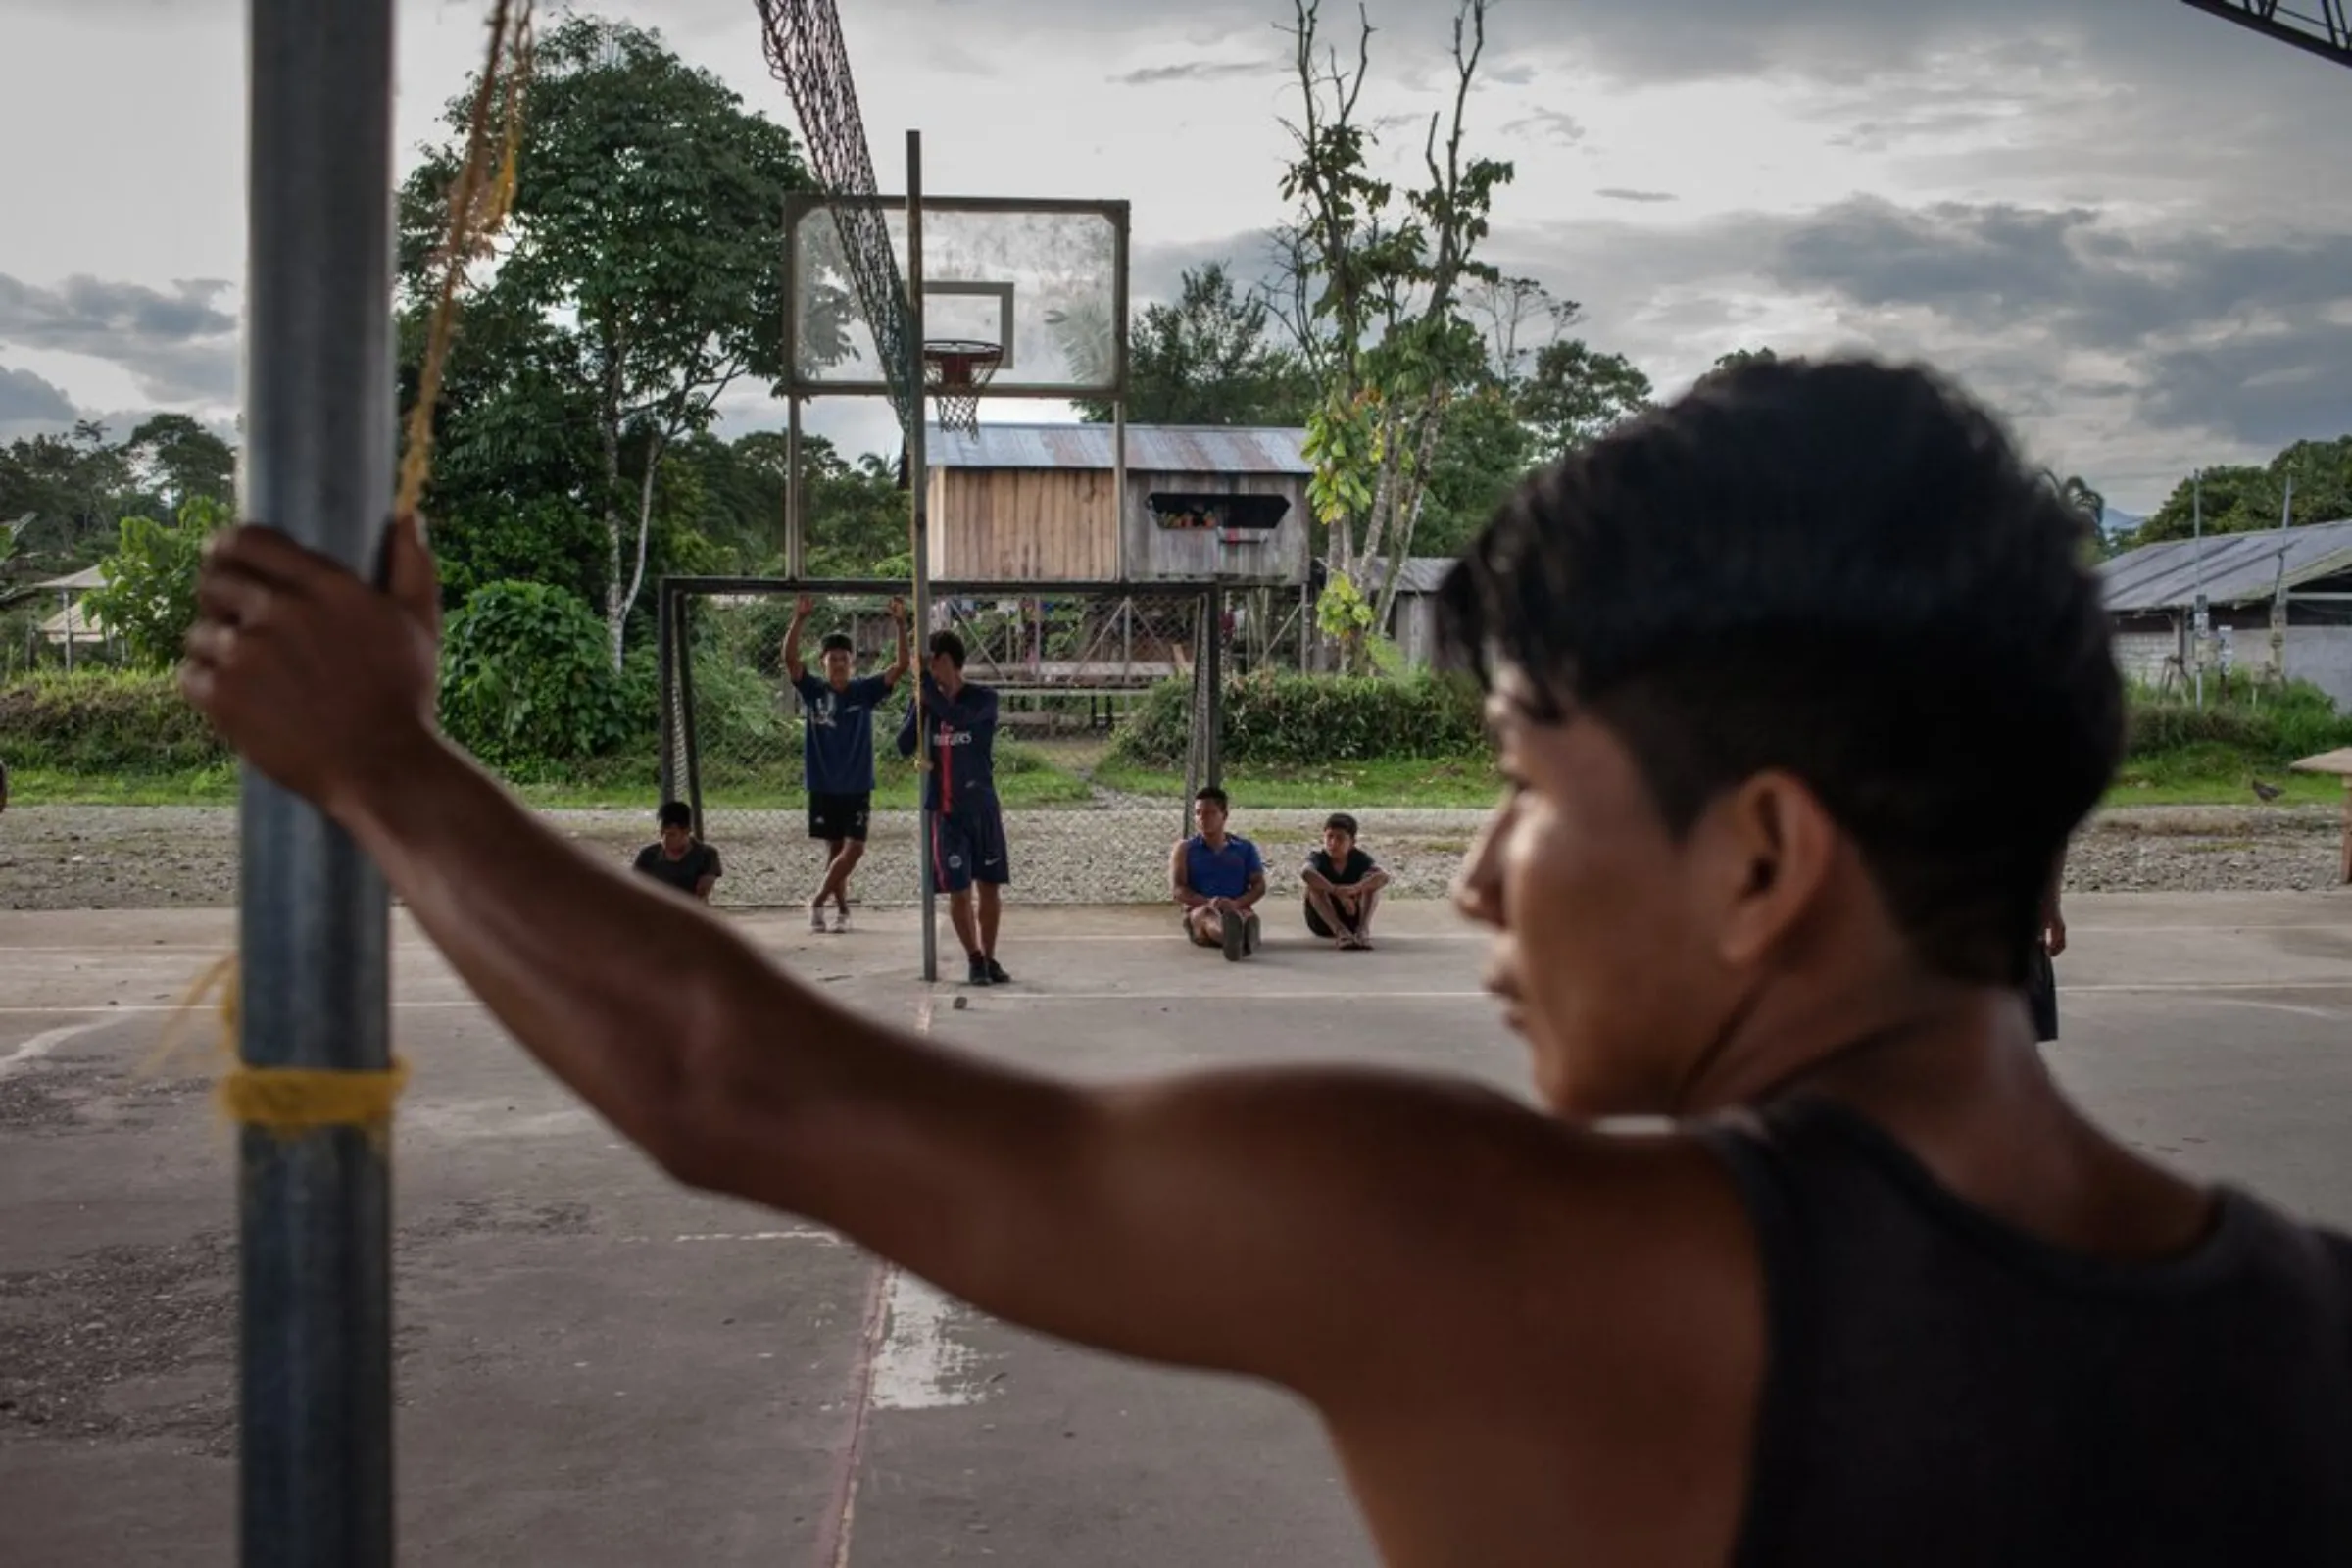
149, 600
1278, 720
527, 682
97, 721
2280, 726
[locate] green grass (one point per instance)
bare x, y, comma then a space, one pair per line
1055, 774
1415, 783
1025, 777
2207, 774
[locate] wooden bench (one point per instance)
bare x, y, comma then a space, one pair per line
2339, 764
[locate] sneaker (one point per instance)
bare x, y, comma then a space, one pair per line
978, 974
1251, 934
840, 921
997, 974
1235, 931
817, 919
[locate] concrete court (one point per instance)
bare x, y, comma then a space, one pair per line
597, 1368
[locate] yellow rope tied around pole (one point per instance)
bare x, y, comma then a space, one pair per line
289, 1101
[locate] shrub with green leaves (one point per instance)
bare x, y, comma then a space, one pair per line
149, 601
527, 682
1304, 720
105, 721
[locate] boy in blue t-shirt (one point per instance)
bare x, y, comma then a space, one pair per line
1218, 879
968, 828
837, 750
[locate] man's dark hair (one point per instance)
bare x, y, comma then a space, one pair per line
676, 814
1844, 570
948, 643
1213, 794
1340, 822
837, 642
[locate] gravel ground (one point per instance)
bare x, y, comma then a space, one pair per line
114, 858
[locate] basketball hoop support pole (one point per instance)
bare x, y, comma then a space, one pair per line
314, 1409
918, 487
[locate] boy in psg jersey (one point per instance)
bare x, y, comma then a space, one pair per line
968, 828
1794, 1251
837, 750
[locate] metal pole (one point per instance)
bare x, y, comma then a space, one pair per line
795, 550
919, 483
1118, 482
2196, 623
665, 643
1213, 643
315, 1413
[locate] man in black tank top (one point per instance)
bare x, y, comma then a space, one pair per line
1799, 685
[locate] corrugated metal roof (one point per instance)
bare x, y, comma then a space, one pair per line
87, 577
2237, 568
1422, 574
1151, 447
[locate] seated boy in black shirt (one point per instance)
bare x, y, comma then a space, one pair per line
679, 858
1343, 886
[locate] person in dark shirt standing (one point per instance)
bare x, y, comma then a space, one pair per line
967, 827
1343, 886
677, 857
837, 750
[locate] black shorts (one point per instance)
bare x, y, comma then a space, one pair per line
834, 817
1314, 922
967, 846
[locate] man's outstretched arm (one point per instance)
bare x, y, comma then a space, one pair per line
1252, 1222
1257, 1222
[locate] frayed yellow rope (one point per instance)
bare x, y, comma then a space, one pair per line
287, 1102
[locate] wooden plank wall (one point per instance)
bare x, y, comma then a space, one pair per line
1153, 552
1022, 524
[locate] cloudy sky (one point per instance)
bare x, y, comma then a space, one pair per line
2125, 223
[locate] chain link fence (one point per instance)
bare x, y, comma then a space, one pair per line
1107, 701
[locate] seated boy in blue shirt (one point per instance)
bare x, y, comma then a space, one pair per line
1218, 879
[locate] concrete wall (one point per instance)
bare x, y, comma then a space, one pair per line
2322, 655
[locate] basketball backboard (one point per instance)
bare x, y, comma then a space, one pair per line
1046, 280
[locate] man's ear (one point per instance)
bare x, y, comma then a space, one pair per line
1777, 847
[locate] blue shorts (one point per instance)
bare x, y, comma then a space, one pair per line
967, 846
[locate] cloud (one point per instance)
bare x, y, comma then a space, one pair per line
1618, 193
1552, 124
1199, 71
2130, 345
25, 399
179, 346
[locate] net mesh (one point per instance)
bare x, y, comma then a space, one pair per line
1108, 725
956, 371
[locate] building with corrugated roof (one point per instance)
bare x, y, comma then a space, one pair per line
1041, 503
2279, 602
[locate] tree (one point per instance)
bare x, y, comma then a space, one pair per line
149, 600
1576, 393
177, 460
1738, 357
1374, 297
77, 487
2246, 498
1206, 360
641, 272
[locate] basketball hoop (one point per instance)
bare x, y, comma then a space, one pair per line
954, 369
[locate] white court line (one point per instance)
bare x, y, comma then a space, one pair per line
2152, 987
74, 1009
40, 1045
